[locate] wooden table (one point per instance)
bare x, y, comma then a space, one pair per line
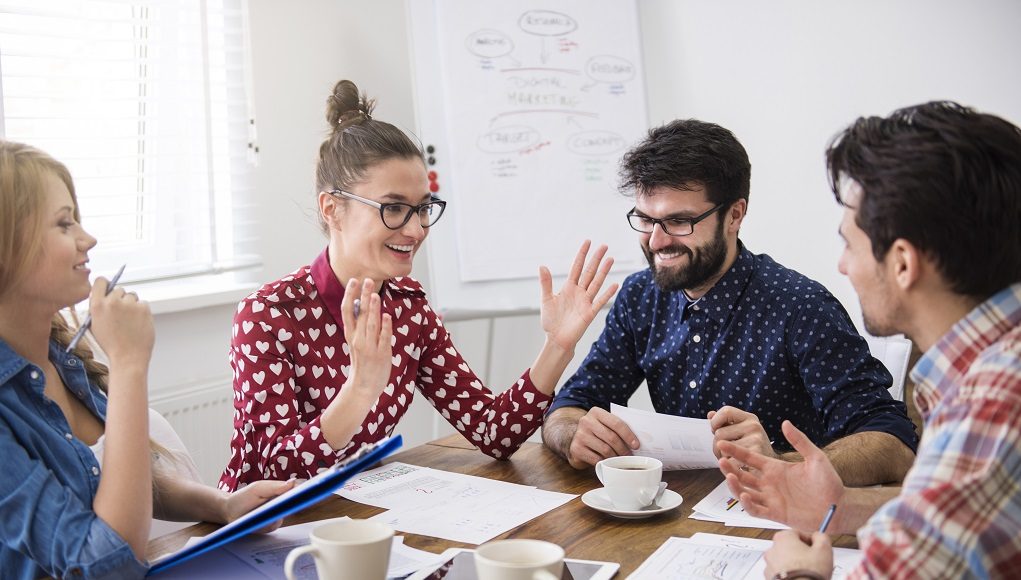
583, 532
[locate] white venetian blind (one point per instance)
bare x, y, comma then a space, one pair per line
147, 103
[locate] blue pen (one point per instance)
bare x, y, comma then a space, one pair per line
88, 319
829, 516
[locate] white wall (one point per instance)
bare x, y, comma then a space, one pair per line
783, 75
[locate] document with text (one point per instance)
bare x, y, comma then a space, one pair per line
679, 442
719, 505
453, 506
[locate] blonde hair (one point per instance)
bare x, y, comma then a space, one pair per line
23, 171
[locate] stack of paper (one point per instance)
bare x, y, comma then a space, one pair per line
721, 506
723, 558
679, 442
441, 504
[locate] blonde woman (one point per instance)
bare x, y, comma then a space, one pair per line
65, 512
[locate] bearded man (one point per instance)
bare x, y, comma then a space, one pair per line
719, 332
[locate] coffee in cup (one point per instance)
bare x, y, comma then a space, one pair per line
519, 560
631, 481
350, 549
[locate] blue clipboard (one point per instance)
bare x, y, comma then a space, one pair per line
298, 498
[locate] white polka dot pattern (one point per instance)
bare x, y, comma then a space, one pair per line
290, 359
765, 339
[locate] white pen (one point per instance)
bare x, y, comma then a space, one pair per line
88, 319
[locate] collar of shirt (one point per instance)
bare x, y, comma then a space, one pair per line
331, 291
721, 299
69, 367
939, 370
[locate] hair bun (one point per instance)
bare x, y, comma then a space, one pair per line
346, 107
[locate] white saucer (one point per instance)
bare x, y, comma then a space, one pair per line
598, 499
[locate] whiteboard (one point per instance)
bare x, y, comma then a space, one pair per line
525, 109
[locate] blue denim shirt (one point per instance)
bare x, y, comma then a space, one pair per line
49, 479
764, 339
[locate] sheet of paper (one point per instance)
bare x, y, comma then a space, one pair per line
400, 485
477, 516
680, 558
453, 506
719, 505
844, 559
679, 442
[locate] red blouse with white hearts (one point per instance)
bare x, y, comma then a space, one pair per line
290, 359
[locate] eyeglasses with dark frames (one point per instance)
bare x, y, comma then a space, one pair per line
670, 226
395, 215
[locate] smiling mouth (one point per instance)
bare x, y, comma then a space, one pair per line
402, 249
83, 266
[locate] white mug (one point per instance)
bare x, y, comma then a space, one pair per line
519, 560
631, 481
351, 549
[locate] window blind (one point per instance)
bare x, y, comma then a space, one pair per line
148, 104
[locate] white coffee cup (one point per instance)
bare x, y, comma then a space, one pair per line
351, 549
519, 560
631, 481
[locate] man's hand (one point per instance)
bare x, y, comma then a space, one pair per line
797, 494
791, 551
586, 438
740, 428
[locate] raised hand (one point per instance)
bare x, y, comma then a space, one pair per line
797, 494
368, 336
567, 314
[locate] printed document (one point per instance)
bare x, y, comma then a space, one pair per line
441, 504
679, 442
719, 505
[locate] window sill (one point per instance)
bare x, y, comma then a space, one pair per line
170, 296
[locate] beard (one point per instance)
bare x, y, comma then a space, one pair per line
704, 263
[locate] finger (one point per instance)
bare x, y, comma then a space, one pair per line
385, 332
99, 287
801, 443
820, 541
372, 321
592, 269
617, 425
601, 274
745, 456
545, 284
605, 296
347, 314
579, 263
604, 441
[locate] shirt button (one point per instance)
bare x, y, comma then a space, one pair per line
95, 471
71, 362
68, 436
696, 338
692, 384
695, 307
34, 375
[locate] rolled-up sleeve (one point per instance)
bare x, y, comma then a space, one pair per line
848, 386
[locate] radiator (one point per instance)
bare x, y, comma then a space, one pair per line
203, 415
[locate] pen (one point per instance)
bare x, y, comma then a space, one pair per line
829, 516
88, 319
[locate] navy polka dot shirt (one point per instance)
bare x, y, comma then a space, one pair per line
764, 339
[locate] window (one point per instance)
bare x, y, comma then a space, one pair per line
147, 103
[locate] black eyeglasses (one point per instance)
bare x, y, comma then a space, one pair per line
395, 215
670, 226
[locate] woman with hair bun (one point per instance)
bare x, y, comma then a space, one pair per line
328, 358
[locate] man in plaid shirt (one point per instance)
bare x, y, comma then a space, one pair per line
932, 225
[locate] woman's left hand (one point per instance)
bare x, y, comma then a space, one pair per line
254, 495
566, 315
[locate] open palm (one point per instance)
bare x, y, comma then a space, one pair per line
567, 314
